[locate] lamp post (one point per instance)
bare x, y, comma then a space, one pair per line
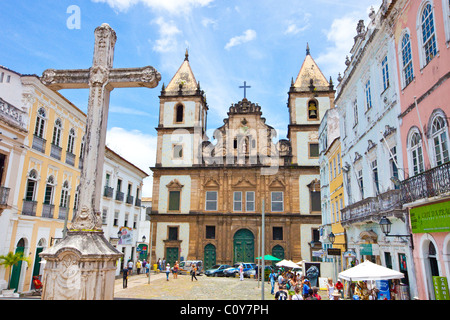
386, 225
332, 238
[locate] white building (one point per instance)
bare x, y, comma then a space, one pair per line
369, 105
121, 205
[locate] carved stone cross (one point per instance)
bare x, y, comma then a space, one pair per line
101, 79
82, 265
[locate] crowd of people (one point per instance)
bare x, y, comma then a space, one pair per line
295, 286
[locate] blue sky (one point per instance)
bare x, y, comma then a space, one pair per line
261, 42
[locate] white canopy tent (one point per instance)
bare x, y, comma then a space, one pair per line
287, 264
369, 271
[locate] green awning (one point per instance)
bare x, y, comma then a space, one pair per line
268, 257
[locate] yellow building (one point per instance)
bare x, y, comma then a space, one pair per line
49, 178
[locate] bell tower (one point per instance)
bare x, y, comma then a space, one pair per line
310, 96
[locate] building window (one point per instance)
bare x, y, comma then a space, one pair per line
65, 195
368, 95
393, 165
30, 194
174, 200
237, 201
40, 123
179, 113
173, 233
277, 201
361, 183
125, 221
57, 132
210, 232
385, 71
116, 218
313, 110
277, 233
105, 216
407, 65
428, 33
211, 201
415, 151
177, 151
250, 201
49, 190
355, 113
313, 150
374, 166
71, 141
439, 136
135, 220
315, 201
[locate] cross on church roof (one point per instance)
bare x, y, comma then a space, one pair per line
245, 89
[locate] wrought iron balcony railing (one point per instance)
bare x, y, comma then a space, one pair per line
430, 183
120, 196
39, 144
55, 151
29, 208
48, 210
129, 199
70, 158
109, 192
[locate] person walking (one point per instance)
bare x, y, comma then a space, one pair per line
290, 286
281, 294
130, 267
272, 281
125, 277
147, 268
330, 288
167, 271
175, 270
297, 295
241, 272
306, 287
193, 272
138, 266
159, 264
144, 265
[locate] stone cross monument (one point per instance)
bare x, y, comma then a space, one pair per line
82, 265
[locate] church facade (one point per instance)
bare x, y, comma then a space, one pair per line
209, 195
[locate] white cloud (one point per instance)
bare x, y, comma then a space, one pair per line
129, 111
168, 32
247, 36
171, 6
208, 21
137, 148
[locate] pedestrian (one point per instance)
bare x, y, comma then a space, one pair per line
147, 268
167, 271
163, 263
144, 265
159, 264
297, 295
138, 266
241, 272
272, 281
175, 270
330, 288
339, 287
306, 287
125, 277
193, 272
281, 294
290, 286
336, 296
130, 267
316, 294
280, 281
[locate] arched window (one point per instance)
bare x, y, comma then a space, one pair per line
57, 132
64, 195
313, 109
71, 141
428, 33
179, 110
49, 190
40, 123
439, 134
30, 194
415, 153
407, 65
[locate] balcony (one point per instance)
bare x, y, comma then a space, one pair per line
108, 192
4, 195
431, 183
373, 209
55, 151
13, 115
129, 199
39, 144
138, 203
63, 212
48, 210
120, 196
29, 208
70, 158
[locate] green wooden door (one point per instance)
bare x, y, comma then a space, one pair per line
37, 260
171, 256
244, 246
15, 276
209, 259
277, 252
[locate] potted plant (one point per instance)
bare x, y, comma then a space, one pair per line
8, 261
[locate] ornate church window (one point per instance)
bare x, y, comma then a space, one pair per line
179, 113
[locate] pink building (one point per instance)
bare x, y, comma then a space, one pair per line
422, 40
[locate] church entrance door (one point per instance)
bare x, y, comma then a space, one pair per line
209, 256
277, 252
171, 256
244, 246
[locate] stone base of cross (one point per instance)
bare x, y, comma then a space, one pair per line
82, 265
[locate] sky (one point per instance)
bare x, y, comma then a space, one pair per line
261, 42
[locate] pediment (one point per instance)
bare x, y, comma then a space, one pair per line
174, 184
244, 183
277, 183
211, 183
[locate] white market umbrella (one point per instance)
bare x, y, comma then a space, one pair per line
369, 271
287, 263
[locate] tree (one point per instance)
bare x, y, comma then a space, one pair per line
10, 260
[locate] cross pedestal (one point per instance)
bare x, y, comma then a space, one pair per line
82, 265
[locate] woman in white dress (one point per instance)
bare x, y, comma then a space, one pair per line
330, 288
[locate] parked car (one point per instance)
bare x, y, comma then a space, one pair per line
248, 273
230, 272
185, 266
217, 270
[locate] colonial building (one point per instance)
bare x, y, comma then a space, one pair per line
368, 100
209, 196
422, 37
